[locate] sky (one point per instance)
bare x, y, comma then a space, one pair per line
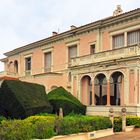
26, 21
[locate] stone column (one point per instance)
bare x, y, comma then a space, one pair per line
108, 92
111, 116
123, 110
93, 95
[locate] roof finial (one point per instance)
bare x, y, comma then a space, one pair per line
118, 11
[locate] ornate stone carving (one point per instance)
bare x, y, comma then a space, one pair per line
118, 11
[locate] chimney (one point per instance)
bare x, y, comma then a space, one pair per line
72, 27
54, 33
118, 11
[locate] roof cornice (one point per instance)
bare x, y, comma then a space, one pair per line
91, 26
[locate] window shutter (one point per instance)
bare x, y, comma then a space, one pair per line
118, 41
133, 37
48, 60
72, 51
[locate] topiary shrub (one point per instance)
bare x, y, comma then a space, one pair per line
21, 99
61, 98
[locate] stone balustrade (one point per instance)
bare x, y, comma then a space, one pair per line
115, 54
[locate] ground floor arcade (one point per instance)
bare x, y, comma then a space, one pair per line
113, 88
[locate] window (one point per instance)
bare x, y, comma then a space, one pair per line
133, 37
16, 66
69, 77
47, 61
118, 41
28, 63
72, 52
92, 49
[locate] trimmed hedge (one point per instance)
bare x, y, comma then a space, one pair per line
42, 127
133, 120
61, 98
21, 99
79, 123
130, 120
38, 127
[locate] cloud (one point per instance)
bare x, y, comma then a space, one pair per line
23, 22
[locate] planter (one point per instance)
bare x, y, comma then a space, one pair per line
84, 136
129, 128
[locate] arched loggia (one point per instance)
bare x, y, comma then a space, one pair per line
116, 88
100, 89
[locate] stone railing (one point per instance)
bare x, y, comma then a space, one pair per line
2, 73
8, 73
123, 52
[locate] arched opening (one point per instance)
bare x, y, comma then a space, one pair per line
16, 66
116, 88
53, 87
100, 89
10, 67
86, 87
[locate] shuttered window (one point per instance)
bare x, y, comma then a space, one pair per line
72, 51
28, 64
118, 41
48, 61
133, 37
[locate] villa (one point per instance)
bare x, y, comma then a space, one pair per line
99, 63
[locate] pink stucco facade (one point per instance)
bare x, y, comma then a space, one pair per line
106, 75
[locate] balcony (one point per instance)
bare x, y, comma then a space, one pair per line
115, 54
8, 74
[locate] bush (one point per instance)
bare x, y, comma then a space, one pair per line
32, 127
133, 120
79, 123
43, 126
2, 118
60, 98
21, 99
117, 124
130, 120
15, 130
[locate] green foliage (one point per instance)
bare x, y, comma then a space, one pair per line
21, 99
133, 120
15, 130
117, 124
45, 114
60, 98
43, 126
130, 120
79, 123
32, 127
2, 118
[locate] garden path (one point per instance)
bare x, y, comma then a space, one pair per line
133, 135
